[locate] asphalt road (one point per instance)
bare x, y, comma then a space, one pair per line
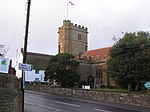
39, 102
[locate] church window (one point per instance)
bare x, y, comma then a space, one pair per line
85, 48
96, 58
79, 36
104, 57
90, 58
99, 74
99, 57
59, 48
84, 57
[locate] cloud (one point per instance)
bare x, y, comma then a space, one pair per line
104, 19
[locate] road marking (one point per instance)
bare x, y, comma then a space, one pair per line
50, 108
100, 110
70, 104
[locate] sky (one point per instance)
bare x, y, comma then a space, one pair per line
103, 18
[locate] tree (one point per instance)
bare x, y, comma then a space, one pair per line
62, 68
129, 63
69, 79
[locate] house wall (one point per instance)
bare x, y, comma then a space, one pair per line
32, 76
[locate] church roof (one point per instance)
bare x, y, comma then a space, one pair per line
98, 52
39, 61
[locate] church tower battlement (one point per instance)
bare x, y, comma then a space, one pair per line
67, 23
72, 38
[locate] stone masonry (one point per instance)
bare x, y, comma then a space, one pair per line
72, 38
136, 99
10, 94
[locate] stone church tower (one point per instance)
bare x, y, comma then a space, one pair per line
72, 38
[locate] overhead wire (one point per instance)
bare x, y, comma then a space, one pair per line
18, 54
14, 34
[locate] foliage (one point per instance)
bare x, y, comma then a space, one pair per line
61, 68
129, 63
69, 79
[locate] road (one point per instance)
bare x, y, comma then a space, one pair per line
40, 102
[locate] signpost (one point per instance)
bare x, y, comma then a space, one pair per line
147, 85
25, 67
25, 51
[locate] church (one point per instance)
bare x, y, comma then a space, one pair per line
73, 39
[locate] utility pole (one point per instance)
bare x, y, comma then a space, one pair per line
25, 50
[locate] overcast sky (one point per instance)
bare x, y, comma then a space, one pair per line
103, 18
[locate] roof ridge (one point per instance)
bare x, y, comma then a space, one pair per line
100, 48
34, 53
98, 52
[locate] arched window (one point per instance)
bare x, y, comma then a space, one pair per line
99, 73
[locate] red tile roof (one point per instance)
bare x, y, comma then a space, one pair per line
98, 52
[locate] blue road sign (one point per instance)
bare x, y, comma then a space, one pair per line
25, 67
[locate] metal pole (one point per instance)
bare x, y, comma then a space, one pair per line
25, 50
67, 8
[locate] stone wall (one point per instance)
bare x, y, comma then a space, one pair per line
10, 94
135, 99
84, 70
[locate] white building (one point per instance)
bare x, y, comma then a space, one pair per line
39, 62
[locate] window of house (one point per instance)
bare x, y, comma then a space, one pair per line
36, 71
36, 80
79, 36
